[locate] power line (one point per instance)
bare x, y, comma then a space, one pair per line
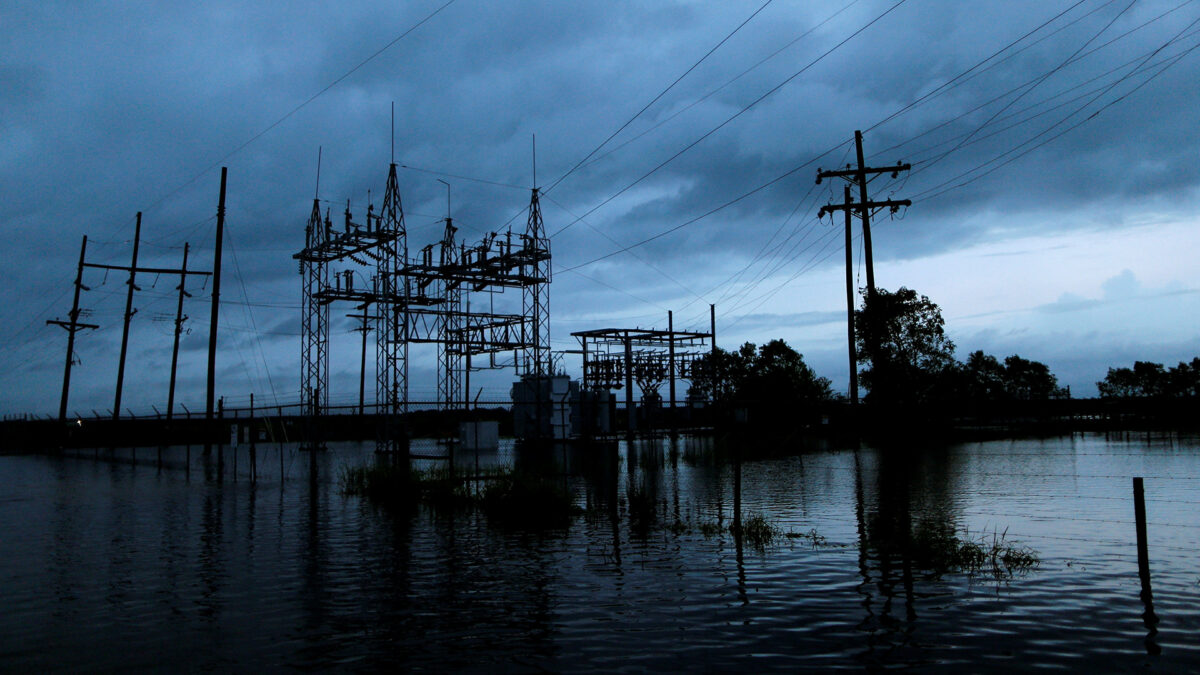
296, 109
656, 98
736, 115
735, 78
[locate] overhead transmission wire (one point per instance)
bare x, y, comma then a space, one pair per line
1031, 87
302, 105
1036, 105
893, 115
657, 98
925, 195
721, 88
1102, 89
277, 122
250, 313
645, 262
945, 86
777, 252
733, 117
957, 82
814, 261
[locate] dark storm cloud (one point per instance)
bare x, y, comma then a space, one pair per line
111, 109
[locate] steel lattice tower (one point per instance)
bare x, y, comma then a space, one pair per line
391, 360
450, 365
535, 357
314, 341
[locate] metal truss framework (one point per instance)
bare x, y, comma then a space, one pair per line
619, 358
421, 300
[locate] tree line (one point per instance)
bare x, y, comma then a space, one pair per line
907, 366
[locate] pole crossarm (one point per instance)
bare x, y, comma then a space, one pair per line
855, 173
71, 325
893, 204
148, 270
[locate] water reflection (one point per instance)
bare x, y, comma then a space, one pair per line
648, 576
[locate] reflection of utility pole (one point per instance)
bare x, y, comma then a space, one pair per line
72, 327
858, 176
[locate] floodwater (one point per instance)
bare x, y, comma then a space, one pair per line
110, 561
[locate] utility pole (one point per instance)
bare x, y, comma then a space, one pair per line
133, 269
72, 326
858, 176
712, 320
671, 360
129, 312
850, 306
179, 319
216, 301
362, 373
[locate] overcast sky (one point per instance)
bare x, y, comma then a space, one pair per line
1054, 182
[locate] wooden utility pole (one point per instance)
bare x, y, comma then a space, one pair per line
72, 326
850, 307
179, 319
671, 360
216, 301
712, 321
362, 373
129, 312
858, 176
133, 269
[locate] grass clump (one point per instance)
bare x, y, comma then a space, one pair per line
816, 539
937, 547
757, 531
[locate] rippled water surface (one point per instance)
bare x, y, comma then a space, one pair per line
113, 560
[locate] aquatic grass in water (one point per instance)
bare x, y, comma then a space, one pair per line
756, 530
937, 547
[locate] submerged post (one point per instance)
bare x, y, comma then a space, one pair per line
1148, 617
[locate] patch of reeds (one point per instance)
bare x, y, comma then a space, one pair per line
756, 530
812, 536
938, 548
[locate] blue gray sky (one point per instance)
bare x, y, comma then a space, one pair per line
1053, 145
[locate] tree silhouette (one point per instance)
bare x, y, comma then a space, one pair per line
1152, 380
901, 339
773, 380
